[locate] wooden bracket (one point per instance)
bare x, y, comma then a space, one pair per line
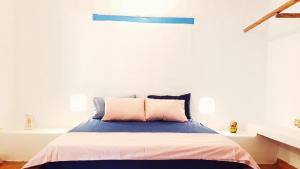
271, 14
288, 15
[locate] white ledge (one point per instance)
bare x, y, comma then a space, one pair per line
37, 131
238, 134
284, 135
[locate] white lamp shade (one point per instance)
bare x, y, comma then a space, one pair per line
207, 105
78, 103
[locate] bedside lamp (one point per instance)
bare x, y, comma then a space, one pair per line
78, 103
207, 105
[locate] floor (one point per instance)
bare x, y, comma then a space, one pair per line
19, 165
268, 167
12, 165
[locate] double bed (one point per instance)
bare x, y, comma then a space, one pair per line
96, 144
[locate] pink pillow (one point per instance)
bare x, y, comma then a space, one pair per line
124, 109
166, 110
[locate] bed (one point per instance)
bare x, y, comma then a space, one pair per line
96, 144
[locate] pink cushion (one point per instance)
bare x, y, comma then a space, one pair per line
166, 110
124, 109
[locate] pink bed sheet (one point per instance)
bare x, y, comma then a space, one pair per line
141, 146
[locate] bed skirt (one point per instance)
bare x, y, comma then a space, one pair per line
144, 164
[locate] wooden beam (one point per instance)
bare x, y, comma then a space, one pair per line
271, 14
288, 15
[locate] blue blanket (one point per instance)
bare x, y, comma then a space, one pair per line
93, 125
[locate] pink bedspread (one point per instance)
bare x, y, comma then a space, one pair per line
141, 146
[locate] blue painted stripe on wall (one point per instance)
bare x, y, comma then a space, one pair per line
165, 20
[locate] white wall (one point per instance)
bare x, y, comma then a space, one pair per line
6, 62
283, 72
61, 51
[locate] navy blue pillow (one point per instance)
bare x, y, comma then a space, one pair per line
185, 97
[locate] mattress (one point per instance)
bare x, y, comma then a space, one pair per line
143, 145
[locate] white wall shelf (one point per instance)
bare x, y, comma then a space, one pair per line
22, 145
238, 134
284, 135
36, 131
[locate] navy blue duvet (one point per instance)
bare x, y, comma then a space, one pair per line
155, 126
